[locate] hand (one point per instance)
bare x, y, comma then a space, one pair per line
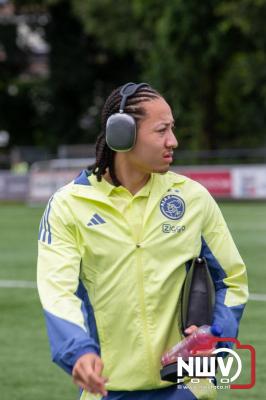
87, 374
191, 329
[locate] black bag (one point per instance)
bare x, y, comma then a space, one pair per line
198, 296
197, 304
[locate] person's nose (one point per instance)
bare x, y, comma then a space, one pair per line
171, 140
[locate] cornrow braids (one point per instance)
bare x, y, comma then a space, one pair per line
134, 107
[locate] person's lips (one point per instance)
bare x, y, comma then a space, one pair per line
168, 156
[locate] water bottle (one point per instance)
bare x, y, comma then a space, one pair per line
200, 339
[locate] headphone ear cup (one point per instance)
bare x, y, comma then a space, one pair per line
121, 132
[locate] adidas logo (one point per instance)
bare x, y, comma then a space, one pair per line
96, 220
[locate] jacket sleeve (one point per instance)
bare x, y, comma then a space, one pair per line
58, 282
227, 269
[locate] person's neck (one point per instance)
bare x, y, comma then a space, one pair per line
133, 180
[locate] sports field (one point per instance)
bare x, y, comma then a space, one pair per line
26, 372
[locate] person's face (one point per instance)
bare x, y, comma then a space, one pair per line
153, 151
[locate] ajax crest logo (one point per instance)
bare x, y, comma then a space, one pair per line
172, 207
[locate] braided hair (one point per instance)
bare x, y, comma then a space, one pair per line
134, 107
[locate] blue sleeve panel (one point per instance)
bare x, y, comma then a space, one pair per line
82, 178
88, 313
227, 317
69, 341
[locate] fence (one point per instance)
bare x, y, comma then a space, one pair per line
223, 182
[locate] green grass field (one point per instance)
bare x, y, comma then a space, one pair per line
26, 372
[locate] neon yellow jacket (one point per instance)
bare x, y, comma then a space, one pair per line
105, 292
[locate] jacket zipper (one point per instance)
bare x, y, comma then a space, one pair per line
143, 311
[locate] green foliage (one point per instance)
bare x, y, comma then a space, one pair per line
207, 58
115, 26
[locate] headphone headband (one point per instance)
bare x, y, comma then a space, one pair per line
128, 90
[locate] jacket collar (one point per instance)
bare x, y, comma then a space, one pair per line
82, 187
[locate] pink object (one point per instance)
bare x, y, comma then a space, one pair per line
201, 339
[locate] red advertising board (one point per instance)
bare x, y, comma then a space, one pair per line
218, 183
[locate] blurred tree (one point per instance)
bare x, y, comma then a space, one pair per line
66, 105
242, 88
207, 58
11, 63
17, 108
194, 52
81, 74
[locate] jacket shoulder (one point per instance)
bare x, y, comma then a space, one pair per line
187, 183
82, 180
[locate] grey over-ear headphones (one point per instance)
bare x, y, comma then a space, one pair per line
121, 127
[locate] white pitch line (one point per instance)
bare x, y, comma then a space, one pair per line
18, 284
32, 285
257, 297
